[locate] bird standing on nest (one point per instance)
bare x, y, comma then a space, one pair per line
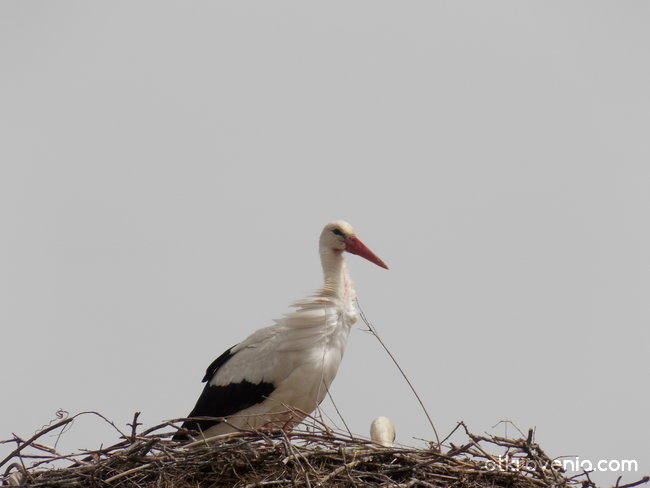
281, 373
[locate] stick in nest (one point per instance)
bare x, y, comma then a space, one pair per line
315, 457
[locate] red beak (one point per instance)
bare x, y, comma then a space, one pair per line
355, 246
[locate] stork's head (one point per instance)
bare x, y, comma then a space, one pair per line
339, 236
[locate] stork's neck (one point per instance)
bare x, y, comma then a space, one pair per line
337, 279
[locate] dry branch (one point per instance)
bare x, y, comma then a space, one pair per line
315, 457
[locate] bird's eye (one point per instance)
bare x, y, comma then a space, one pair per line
338, 232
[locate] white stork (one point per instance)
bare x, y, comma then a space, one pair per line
281, 373
382, 431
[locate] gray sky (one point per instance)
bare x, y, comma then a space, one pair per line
166, 169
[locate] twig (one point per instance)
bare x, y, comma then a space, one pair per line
34, 437
126, 473
458, 424
643, 480
346, 466
311, 455
374, 332
339, 413
134, 426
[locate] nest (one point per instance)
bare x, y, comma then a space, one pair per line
313, 457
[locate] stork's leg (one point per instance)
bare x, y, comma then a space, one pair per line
288, 426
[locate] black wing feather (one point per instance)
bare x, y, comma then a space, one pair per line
216, 364
222, 401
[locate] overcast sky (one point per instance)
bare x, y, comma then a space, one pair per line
167, 167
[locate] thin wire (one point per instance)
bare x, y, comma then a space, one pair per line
374, 332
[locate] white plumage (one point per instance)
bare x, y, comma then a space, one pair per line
281, 373
382, 431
